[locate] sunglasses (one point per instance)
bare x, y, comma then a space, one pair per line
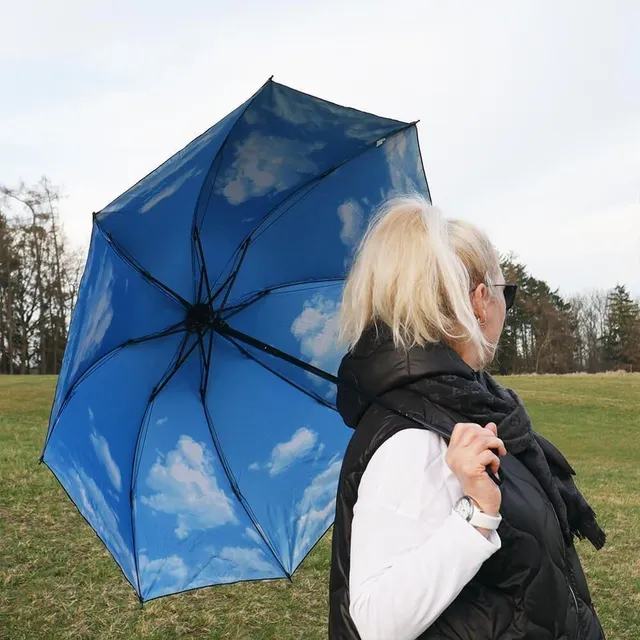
510, 291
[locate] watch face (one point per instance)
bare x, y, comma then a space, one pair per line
464, 508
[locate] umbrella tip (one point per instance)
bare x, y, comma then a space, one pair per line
270, 79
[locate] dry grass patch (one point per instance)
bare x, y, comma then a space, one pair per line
58, 582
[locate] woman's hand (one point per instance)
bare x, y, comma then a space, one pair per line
468, 456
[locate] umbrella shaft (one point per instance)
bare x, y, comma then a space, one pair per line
224, 329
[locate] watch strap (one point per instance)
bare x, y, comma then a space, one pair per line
466, 508
484, 520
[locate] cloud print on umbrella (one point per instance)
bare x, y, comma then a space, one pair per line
367, 130
300, 446
99, 317
318, 115
246, 559
253, 535
169, 190
170, 573
317, 330
302, 112
316, 510
403, 161
231, 564
101, 447
144, 195
186, 486
352, 219
265, 164
95, 508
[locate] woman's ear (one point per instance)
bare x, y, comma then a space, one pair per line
479, 302
477, 297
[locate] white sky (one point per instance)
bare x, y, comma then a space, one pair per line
529, 109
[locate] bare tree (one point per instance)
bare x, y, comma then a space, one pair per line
39, 277
591, 327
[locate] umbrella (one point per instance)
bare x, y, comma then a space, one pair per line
194, 422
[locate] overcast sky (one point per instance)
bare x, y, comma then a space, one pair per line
529, 110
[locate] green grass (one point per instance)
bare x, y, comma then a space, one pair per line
58, 581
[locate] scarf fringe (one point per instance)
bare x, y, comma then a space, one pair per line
584, 525
590, 530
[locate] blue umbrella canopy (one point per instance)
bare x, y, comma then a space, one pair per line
192, 425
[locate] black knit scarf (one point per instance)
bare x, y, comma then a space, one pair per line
483, 400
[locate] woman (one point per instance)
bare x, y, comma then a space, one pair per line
425, 543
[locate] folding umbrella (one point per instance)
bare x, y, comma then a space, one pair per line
194, 422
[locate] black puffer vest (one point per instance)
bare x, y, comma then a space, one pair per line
533, 587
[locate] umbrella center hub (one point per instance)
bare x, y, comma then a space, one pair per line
200, 317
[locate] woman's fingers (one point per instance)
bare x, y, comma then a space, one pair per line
467, 434
461, 431
490, 460
493, 428
477, 438
489, 442
471, 452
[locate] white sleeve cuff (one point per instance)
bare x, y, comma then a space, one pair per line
485, 545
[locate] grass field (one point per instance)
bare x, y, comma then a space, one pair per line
58, 581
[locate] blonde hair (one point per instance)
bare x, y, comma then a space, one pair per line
414, 271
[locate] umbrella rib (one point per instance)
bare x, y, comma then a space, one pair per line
220, 289
206, 362
220, 152
209, 184
249, 355
225, 330
182, 358
200, 285
143, 425
124, 254
100, 537
204, 275
196, 226
245, 247
238, 257
260, 229
237, 308
236, 489
230, 477
312, 184
169, 331
424, 173
179, 359
275, 290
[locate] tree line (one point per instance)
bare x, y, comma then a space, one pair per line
40, 275
548, 333
39, 278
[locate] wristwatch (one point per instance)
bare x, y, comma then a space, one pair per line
466, 509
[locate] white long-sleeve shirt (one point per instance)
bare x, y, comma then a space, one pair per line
411, 555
